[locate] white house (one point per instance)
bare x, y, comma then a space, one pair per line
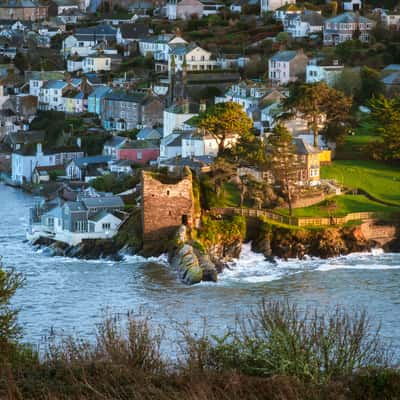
197, 144
96, 217
317, 72
175, 116
23, 162
303, 25
37, 79
194, 57
272, 5
286, 66
157, 46
235, 8
390, 19
111, 146
50, 96
352, 5
345, 26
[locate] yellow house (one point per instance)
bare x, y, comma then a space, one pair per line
96, 63
309, 157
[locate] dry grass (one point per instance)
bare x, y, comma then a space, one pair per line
125, 362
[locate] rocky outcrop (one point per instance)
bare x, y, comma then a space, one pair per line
190, 260
87, 250
277, 241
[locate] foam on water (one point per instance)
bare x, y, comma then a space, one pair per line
252, 267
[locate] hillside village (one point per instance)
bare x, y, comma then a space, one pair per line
279, 109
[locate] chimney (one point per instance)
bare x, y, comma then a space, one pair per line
39, 150
186, 106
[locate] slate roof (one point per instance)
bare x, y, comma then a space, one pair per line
54, 85
100, 91
392, 79
191, 162
148, 133
80, 162
18, 4
115, 141
348, 17
286, 55
98, 30
313, 18
392, 67
44, 75
76, 206
24, 137
163, 38
304, 148
141, 144
103, 201
132, 97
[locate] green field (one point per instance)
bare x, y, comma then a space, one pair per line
380, 180
340, 206
355, 146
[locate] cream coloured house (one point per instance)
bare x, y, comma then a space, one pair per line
96, 63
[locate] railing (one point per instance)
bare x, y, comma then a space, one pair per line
296, 221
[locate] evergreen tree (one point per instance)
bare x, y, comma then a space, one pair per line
10, 281
223, 120
386, 112
285, 165
319, 104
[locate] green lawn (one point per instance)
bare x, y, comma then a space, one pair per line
230, 195
339, 206
380, 180
355, 146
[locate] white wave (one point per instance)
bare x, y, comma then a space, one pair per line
333, 267
252, 267
162, 259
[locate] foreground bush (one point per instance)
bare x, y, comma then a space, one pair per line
278, 339
276, 353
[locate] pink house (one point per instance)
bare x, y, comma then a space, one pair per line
139, 151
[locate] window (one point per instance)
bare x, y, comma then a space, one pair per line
50, 222
139, 155
106, 226
81, 226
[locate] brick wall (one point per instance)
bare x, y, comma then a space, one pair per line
165, 207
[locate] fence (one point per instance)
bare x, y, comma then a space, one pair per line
297, 221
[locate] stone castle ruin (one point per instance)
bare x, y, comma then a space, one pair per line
167, 203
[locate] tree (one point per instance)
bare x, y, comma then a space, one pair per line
10, 281
224, 120
371, 84
317, 103
386, 113
285, 165
251, 149
349, 82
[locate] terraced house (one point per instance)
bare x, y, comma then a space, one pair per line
347, 26
125, 111
23, 10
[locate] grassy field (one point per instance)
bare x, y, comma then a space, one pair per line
355, 146
342, 205
382, 181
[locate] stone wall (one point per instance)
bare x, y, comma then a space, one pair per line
165, 206
379, 233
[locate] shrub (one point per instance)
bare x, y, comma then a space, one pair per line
278, 339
